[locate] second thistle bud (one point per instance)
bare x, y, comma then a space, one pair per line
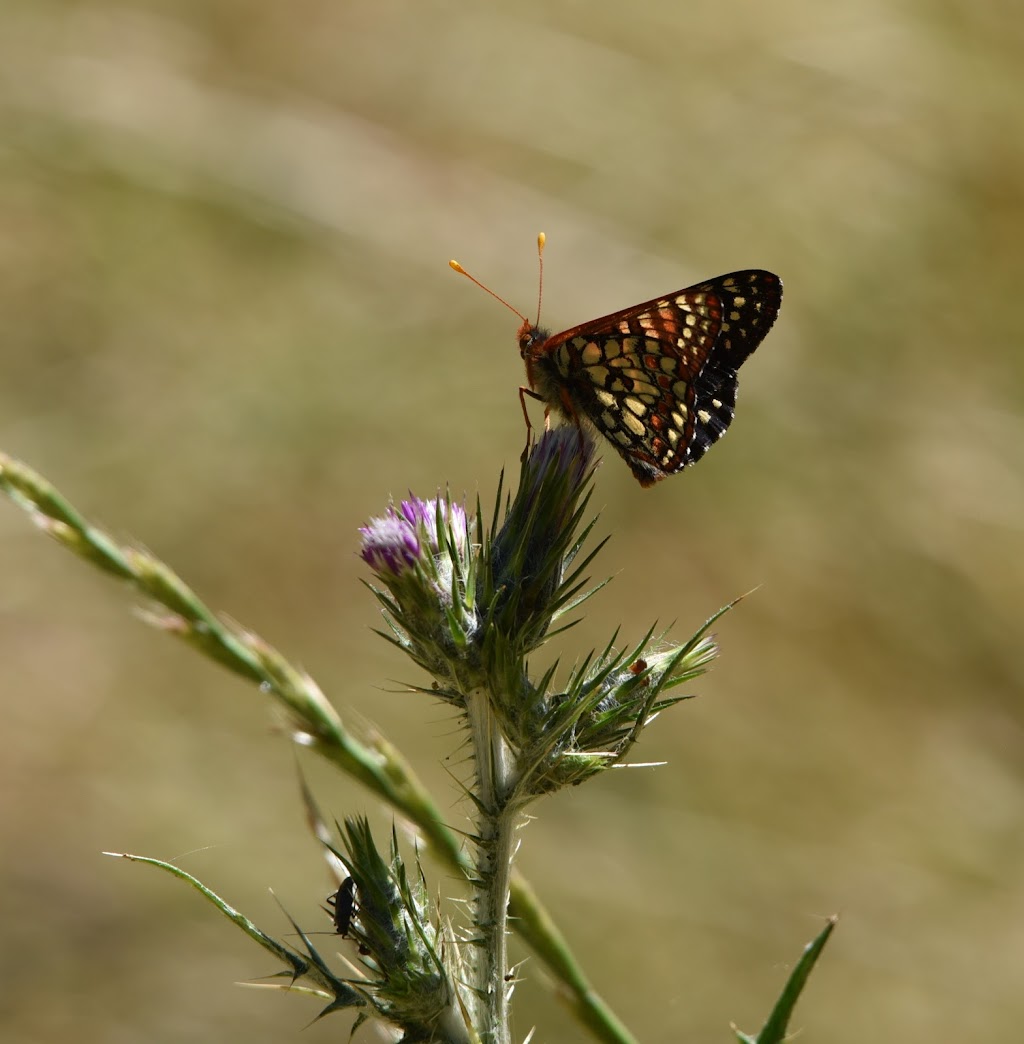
421, 552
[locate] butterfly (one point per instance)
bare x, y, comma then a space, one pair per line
658, 379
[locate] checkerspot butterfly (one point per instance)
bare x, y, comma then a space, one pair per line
658, 380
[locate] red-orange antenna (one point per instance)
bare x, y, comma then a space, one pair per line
541, 240
455, 266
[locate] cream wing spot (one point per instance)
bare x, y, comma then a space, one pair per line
635, 425
591, 354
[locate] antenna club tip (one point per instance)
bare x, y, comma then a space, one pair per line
456, 267
541, 240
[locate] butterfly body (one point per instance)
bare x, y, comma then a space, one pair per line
658, 380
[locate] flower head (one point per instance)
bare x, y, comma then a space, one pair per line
390, 544
538, 537
563, 455
412, 533
420, 551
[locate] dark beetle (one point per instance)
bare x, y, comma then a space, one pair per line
343, 903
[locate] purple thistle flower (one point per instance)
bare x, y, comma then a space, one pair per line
390, 544
395, 542
425, 514
420, 551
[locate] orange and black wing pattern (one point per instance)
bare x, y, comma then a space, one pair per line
658, 380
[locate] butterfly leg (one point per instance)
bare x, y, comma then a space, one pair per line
523, 392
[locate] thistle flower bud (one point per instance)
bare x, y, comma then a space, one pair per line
420, 551
390, 544
417, 531
537, 540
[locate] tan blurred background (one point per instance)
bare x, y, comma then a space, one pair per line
229, 333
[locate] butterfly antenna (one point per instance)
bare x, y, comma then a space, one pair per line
456, 267
541, 240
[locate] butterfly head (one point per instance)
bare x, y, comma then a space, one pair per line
529, 336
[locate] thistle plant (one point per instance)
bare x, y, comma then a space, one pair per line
470, 605
473, 604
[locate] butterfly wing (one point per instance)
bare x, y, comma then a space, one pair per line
750, 305
658, 380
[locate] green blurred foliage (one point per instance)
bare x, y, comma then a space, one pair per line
228, 331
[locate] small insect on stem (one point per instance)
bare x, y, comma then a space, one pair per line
342, 905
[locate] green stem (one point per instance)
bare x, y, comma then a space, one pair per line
492, 875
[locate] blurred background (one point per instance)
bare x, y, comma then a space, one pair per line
229, 333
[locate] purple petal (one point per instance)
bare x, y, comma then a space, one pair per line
390, 544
